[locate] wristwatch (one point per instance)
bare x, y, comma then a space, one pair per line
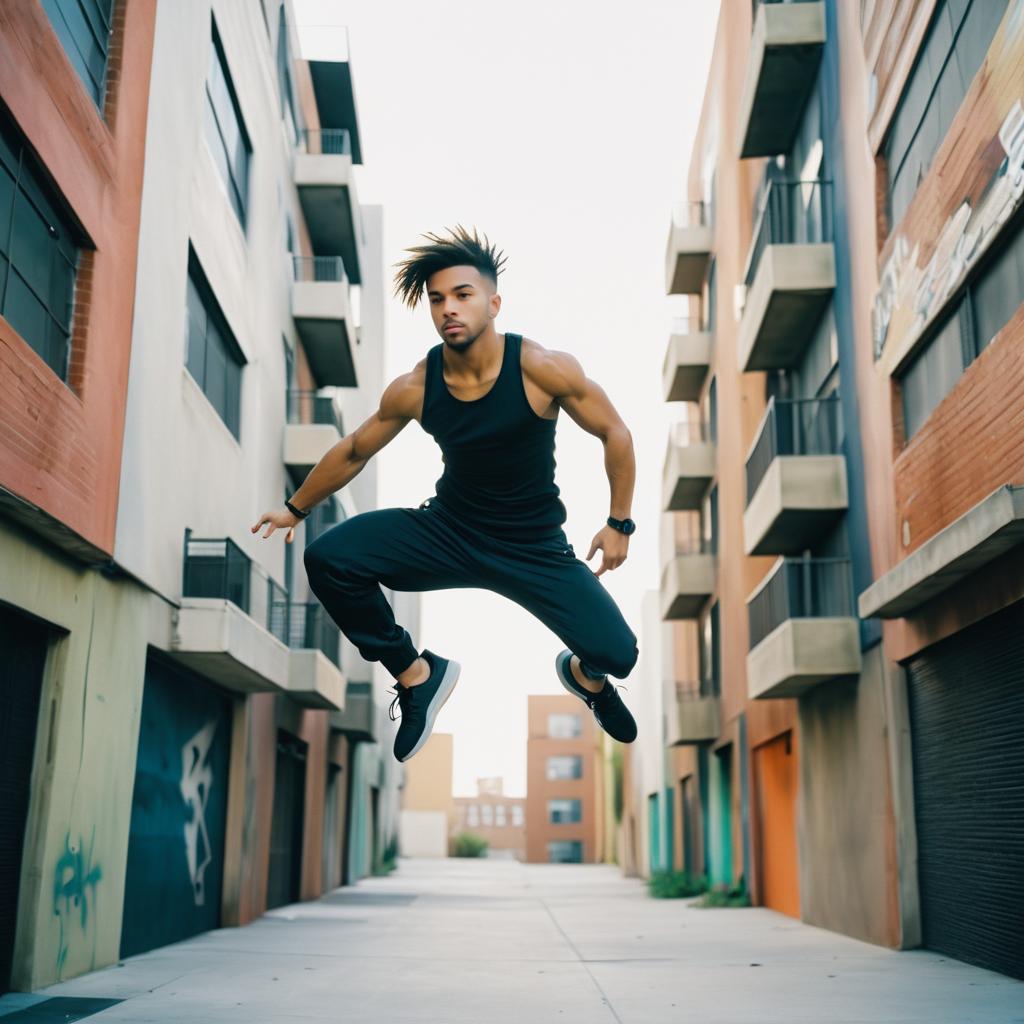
626, 526
295, 511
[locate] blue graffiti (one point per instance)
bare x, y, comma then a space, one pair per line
74, 876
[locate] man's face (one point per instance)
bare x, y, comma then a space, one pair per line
462, 303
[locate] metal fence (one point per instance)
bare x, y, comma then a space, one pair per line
318, 268
794, 426
278, 611
216, 567
312, 407
312, 627
788, 213
800, 588
328, 141
686, 325
697, 689
687, 432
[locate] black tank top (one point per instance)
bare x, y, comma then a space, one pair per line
499, 455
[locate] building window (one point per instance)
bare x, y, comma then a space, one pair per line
564, 811
954, 47
212, 354
39, 247
517, 815
988, 303
499, 816
564, 727
284, 77
225, 129
472, 816
565, 851
83, 28
487, 814
565, 766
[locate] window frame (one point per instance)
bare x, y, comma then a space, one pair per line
65, 34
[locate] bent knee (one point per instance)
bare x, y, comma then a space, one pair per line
617, 660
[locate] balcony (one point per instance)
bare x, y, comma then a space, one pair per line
327, 194
314, 425
225, 628
359, 719
323, 318
687, 360
790, 274
692, 712
688, 579
785, 53
689, 249
315, 679
796, 476
802, 628
689, 467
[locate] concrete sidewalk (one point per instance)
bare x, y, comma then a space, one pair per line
495, 941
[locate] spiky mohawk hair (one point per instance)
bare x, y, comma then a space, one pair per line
460, 249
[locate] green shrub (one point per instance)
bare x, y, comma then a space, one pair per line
674, 884
721, 895
469, 844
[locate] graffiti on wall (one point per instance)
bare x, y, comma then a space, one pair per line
75, 877
196, 783
909, 295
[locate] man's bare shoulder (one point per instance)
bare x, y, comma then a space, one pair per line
403, 397
558, 373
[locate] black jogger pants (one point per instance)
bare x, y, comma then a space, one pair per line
428, 548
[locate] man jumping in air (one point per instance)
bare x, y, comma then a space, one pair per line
495, 522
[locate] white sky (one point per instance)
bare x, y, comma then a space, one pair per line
562, 129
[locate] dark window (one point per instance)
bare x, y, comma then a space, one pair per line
709, 312
38, 253
284, 76
83, 28
957, 40
710, 654
989, 301
212, 354
225, 130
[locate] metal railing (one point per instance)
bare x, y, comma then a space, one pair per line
789, 213
312, 407
216, 567
318, 268
692, 540
278, 611
312, 627
687, 432
794, 426
328, 141
686, 325
697, 689
320, 519
691, 213
800, 588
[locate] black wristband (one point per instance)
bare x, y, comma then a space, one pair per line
294, 511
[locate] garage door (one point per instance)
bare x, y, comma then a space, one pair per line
967, 723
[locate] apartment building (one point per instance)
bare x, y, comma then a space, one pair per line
848, 451
494, 816
192, 310
564, 782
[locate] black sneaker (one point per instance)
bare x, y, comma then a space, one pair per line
612, 715
420, 704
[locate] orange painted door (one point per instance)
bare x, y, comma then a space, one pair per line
776, 767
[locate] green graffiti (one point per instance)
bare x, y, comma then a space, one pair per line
73, 876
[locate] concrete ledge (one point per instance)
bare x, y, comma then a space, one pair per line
689, 469
992, 527
314, 681
306, 443
687, 361
796, 500
218, 640
323, 318
801, 653
358, 718
686, 584
784, 303
689, 718
686, 259
327, 194
785, 51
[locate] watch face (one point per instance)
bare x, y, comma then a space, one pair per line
628, 526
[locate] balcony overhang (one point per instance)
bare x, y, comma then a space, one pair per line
785, 52
323, 319
686, 584
689, 470
687, 258
336, 100
218, 640
330, 206
798, 498
686, 366
314, 681
358, 719
690, 718
305, 444
791, 288
983, 533
802, 653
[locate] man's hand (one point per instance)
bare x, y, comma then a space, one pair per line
281, 518
613, 544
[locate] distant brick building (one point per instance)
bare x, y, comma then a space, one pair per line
499, 819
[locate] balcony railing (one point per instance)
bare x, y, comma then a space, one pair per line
789, 213
312, 407
691, 213
328, 141
697, 689
217, 567
311, 627
801, 588
318, 268
794, 426
278, 611
687, 432
686, 325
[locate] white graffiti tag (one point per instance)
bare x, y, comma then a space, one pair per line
196, 781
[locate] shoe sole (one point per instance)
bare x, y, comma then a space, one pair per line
561, 677
444, 691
